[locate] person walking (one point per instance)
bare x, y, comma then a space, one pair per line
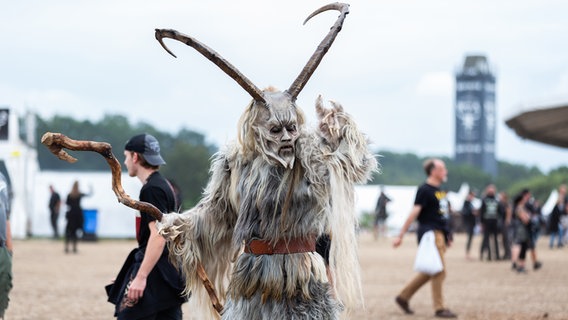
6, 246
427, 211
74, 216
54, 207
523, 239
489, 215
506, 216
148, 286
469, 221
554, 219
381, 215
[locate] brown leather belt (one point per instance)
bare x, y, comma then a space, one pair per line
259, 247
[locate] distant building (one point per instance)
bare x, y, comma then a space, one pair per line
475, 115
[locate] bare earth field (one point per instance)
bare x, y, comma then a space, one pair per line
52, 285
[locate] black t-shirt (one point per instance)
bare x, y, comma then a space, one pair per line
158, 192
489, 208
165, 283
431, 217
53, 200
467, 212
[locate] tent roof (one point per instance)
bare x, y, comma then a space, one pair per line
546, 124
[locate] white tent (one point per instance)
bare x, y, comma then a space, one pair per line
30, 186
113, 219
549, 204
402, 201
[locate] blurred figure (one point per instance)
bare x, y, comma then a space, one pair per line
54, 207
489, 215
74, 216
469, 221
555, 227
506, 215
537, 220
6, 247
523, 233
428, 211
381, 215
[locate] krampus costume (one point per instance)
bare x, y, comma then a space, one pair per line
271, 194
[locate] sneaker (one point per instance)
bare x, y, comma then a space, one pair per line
403, 304
445, 313
537, 265
521, 270
514, 266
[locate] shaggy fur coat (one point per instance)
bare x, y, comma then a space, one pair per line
249, 197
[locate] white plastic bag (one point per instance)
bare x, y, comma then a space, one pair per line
428, 258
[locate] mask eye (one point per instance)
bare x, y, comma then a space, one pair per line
291, 128
276, 130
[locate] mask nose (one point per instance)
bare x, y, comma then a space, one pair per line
286, 136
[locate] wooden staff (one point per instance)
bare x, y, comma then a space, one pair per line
56, 142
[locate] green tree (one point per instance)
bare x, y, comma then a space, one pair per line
187, 154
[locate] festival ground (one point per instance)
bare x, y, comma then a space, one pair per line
52, 285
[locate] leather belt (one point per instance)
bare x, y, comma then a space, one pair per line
296, 245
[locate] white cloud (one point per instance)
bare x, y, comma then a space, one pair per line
436, 84
391, 66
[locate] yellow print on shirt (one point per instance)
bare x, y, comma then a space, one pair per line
444, 203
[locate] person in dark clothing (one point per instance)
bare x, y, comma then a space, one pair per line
469, 221
381, 215
428, 211
148, 286
506, 215
6, 245
555, 229
489, 215
74, 216
54, 206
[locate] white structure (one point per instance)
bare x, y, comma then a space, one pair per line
402, 201
19, 163
30, 186
113, 220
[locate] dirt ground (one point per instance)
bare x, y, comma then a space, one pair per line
52, 285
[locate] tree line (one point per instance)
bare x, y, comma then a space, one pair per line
188, 157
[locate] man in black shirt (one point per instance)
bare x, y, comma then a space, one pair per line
469, 220
427, 211
54, 206
490, 222
148, 286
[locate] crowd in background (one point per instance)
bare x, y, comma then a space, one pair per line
511, 227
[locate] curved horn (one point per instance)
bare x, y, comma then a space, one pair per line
321, 50
214, 57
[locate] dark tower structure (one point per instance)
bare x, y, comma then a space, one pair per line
475, 115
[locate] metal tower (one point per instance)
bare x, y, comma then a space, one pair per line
475, 115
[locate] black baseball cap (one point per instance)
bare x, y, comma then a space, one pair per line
146, 145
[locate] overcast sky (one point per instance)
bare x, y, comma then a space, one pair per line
392, 66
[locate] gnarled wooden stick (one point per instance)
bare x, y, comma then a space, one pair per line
57, 142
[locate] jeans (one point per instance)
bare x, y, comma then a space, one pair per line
556, 234
490, 230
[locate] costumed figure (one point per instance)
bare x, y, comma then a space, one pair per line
271, 195
276, 196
